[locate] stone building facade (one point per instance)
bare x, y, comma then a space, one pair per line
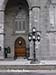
17, 18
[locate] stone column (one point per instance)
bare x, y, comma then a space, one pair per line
36, 14
2, 34
30, 20
35, 22
30, 29
44, 44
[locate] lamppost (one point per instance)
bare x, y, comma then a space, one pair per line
33, 36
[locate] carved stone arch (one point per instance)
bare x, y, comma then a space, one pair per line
5, 3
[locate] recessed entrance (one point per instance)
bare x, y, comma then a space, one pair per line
20, 47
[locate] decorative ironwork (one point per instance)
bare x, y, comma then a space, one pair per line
34, 36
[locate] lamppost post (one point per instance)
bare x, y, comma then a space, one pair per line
34, 52
34, 39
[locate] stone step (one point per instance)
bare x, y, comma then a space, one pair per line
27, 67
25, 64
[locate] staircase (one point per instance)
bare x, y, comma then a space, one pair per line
24, 64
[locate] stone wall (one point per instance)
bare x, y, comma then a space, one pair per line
46, 49
38, 17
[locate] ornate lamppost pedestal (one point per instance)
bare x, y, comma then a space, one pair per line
35, 62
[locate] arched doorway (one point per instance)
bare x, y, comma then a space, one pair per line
20, 47
16, 23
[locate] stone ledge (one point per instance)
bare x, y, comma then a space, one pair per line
27, 67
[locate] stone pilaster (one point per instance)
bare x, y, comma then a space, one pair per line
2, 34
44, 44
36, 14
35, 23
30, 28
30, 20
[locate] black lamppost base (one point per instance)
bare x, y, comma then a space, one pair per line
34, 61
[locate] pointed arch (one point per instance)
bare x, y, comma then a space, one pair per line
6, 1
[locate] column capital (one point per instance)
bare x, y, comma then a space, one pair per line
34, 7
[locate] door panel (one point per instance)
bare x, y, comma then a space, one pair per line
20, 47
20, 52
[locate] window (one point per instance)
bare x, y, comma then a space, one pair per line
52, 14
20, 21
23, 25
20, 25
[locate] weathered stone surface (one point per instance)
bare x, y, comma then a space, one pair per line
38, 17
